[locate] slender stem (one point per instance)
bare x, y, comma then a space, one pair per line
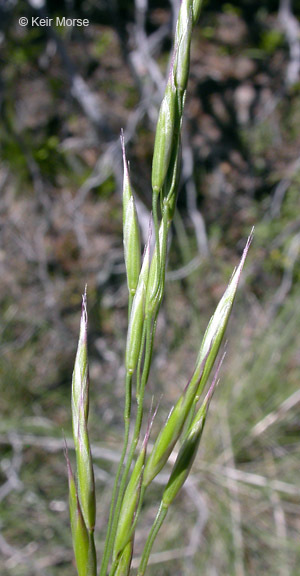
136, 434
161, 514
156, 230
127, 411
166, 226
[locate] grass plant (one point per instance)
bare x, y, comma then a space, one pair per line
146, 284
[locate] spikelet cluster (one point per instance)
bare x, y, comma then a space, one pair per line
146, 282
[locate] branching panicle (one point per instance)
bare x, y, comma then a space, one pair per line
146, 283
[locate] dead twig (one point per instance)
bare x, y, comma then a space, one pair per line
291, 29
276, 415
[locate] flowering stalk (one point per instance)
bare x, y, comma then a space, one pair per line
146, 283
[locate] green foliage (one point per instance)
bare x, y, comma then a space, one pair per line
271, 40
231, 9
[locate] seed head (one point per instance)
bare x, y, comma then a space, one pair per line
155, 286
182, 45
135, 328
189, 448
171, 431
80, 409
131, 498
79, 531
216, 328
197, 5
166, 125
131, 232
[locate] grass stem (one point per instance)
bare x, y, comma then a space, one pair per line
161, 514
127, 411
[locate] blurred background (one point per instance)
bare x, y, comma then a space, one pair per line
65, 94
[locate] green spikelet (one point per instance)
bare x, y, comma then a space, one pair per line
131, 233
80, 410
164, 138
135, 328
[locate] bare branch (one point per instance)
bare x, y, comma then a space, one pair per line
291, 29
276, 415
